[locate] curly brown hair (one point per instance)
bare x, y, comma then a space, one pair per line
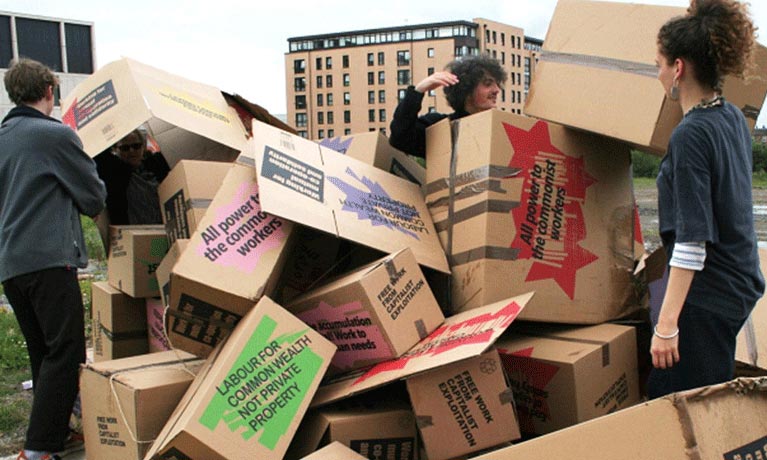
716, 36
470, 71
27, 80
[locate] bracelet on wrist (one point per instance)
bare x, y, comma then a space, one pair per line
665, 337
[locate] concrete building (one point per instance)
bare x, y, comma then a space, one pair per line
351, 82
64, 45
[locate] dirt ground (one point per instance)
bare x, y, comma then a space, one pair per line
647, 202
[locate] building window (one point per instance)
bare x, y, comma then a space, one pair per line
503, 95
330, 118
380, 58
299, 84
318, 63
328, 81
347, 98
329, 99
6, 49
299, 66
432, 109
301, 102
79, 48
430, 71
331, 133
382, 115
320, 118
320, 100
347, 131
371, 59
371, 78
432, 92
321, 134
381, 96
403, 57
494, 37
513, 97
381, 77
347, 79
401, 95
372, 115
300, 120
345, 61
371, 97
513, 78
319, 81
302, 134
347, 116
503, 39
403, 77
41, 41
383, 131
430, 52
328, 62
432, 33
487, 36
503, 57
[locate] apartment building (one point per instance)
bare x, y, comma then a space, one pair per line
351, 82
64, 45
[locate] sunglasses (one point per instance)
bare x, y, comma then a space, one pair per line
128, 147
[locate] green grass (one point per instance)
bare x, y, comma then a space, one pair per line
644, 183
92, 239
759, 180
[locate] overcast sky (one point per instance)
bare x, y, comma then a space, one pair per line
240, 45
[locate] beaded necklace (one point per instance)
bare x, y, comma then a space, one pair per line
707, 104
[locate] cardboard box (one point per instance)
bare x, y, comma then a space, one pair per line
375, 430
597, 72
186, 193
188, 119
751, 349
127, 401
119, 323
724, 421
253, 391
335, 451
234, 258
312, 185
562, 376
135, 251
464, 407
462, 336
525, 205
155, 324
373, 314
373, 148
166, 266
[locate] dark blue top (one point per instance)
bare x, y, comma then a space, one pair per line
704, 194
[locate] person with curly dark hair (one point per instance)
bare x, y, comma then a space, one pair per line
471, 85
704, 200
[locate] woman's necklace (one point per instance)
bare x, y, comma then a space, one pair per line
716, 101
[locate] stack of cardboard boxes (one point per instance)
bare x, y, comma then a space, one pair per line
311, 305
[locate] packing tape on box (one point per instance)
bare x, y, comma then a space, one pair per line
420, 326
423, 421
391, 270
506, 397
751, 348
489, 185
119, 336
468, 177
485, 206
197, 203
483, 252
605, 346
599, 62
688, 432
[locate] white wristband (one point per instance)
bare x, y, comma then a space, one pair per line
665, 337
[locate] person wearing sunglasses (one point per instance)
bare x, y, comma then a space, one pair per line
132, 175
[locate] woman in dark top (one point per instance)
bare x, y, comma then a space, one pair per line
132, 174
704, 201
472, 84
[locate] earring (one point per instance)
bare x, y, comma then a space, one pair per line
674, 93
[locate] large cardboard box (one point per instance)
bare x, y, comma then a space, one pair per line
562, 376
166, 266
234, 258
381, 430
462, 336
335, 451
373, 314
188, 119
252, 393
135, 251
119, 323
126, 402
525, 205
155, 324
374, 149
597, 72
186, 193
719, 422
464, 407
315, 186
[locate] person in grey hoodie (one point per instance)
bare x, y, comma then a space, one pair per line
46, 182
